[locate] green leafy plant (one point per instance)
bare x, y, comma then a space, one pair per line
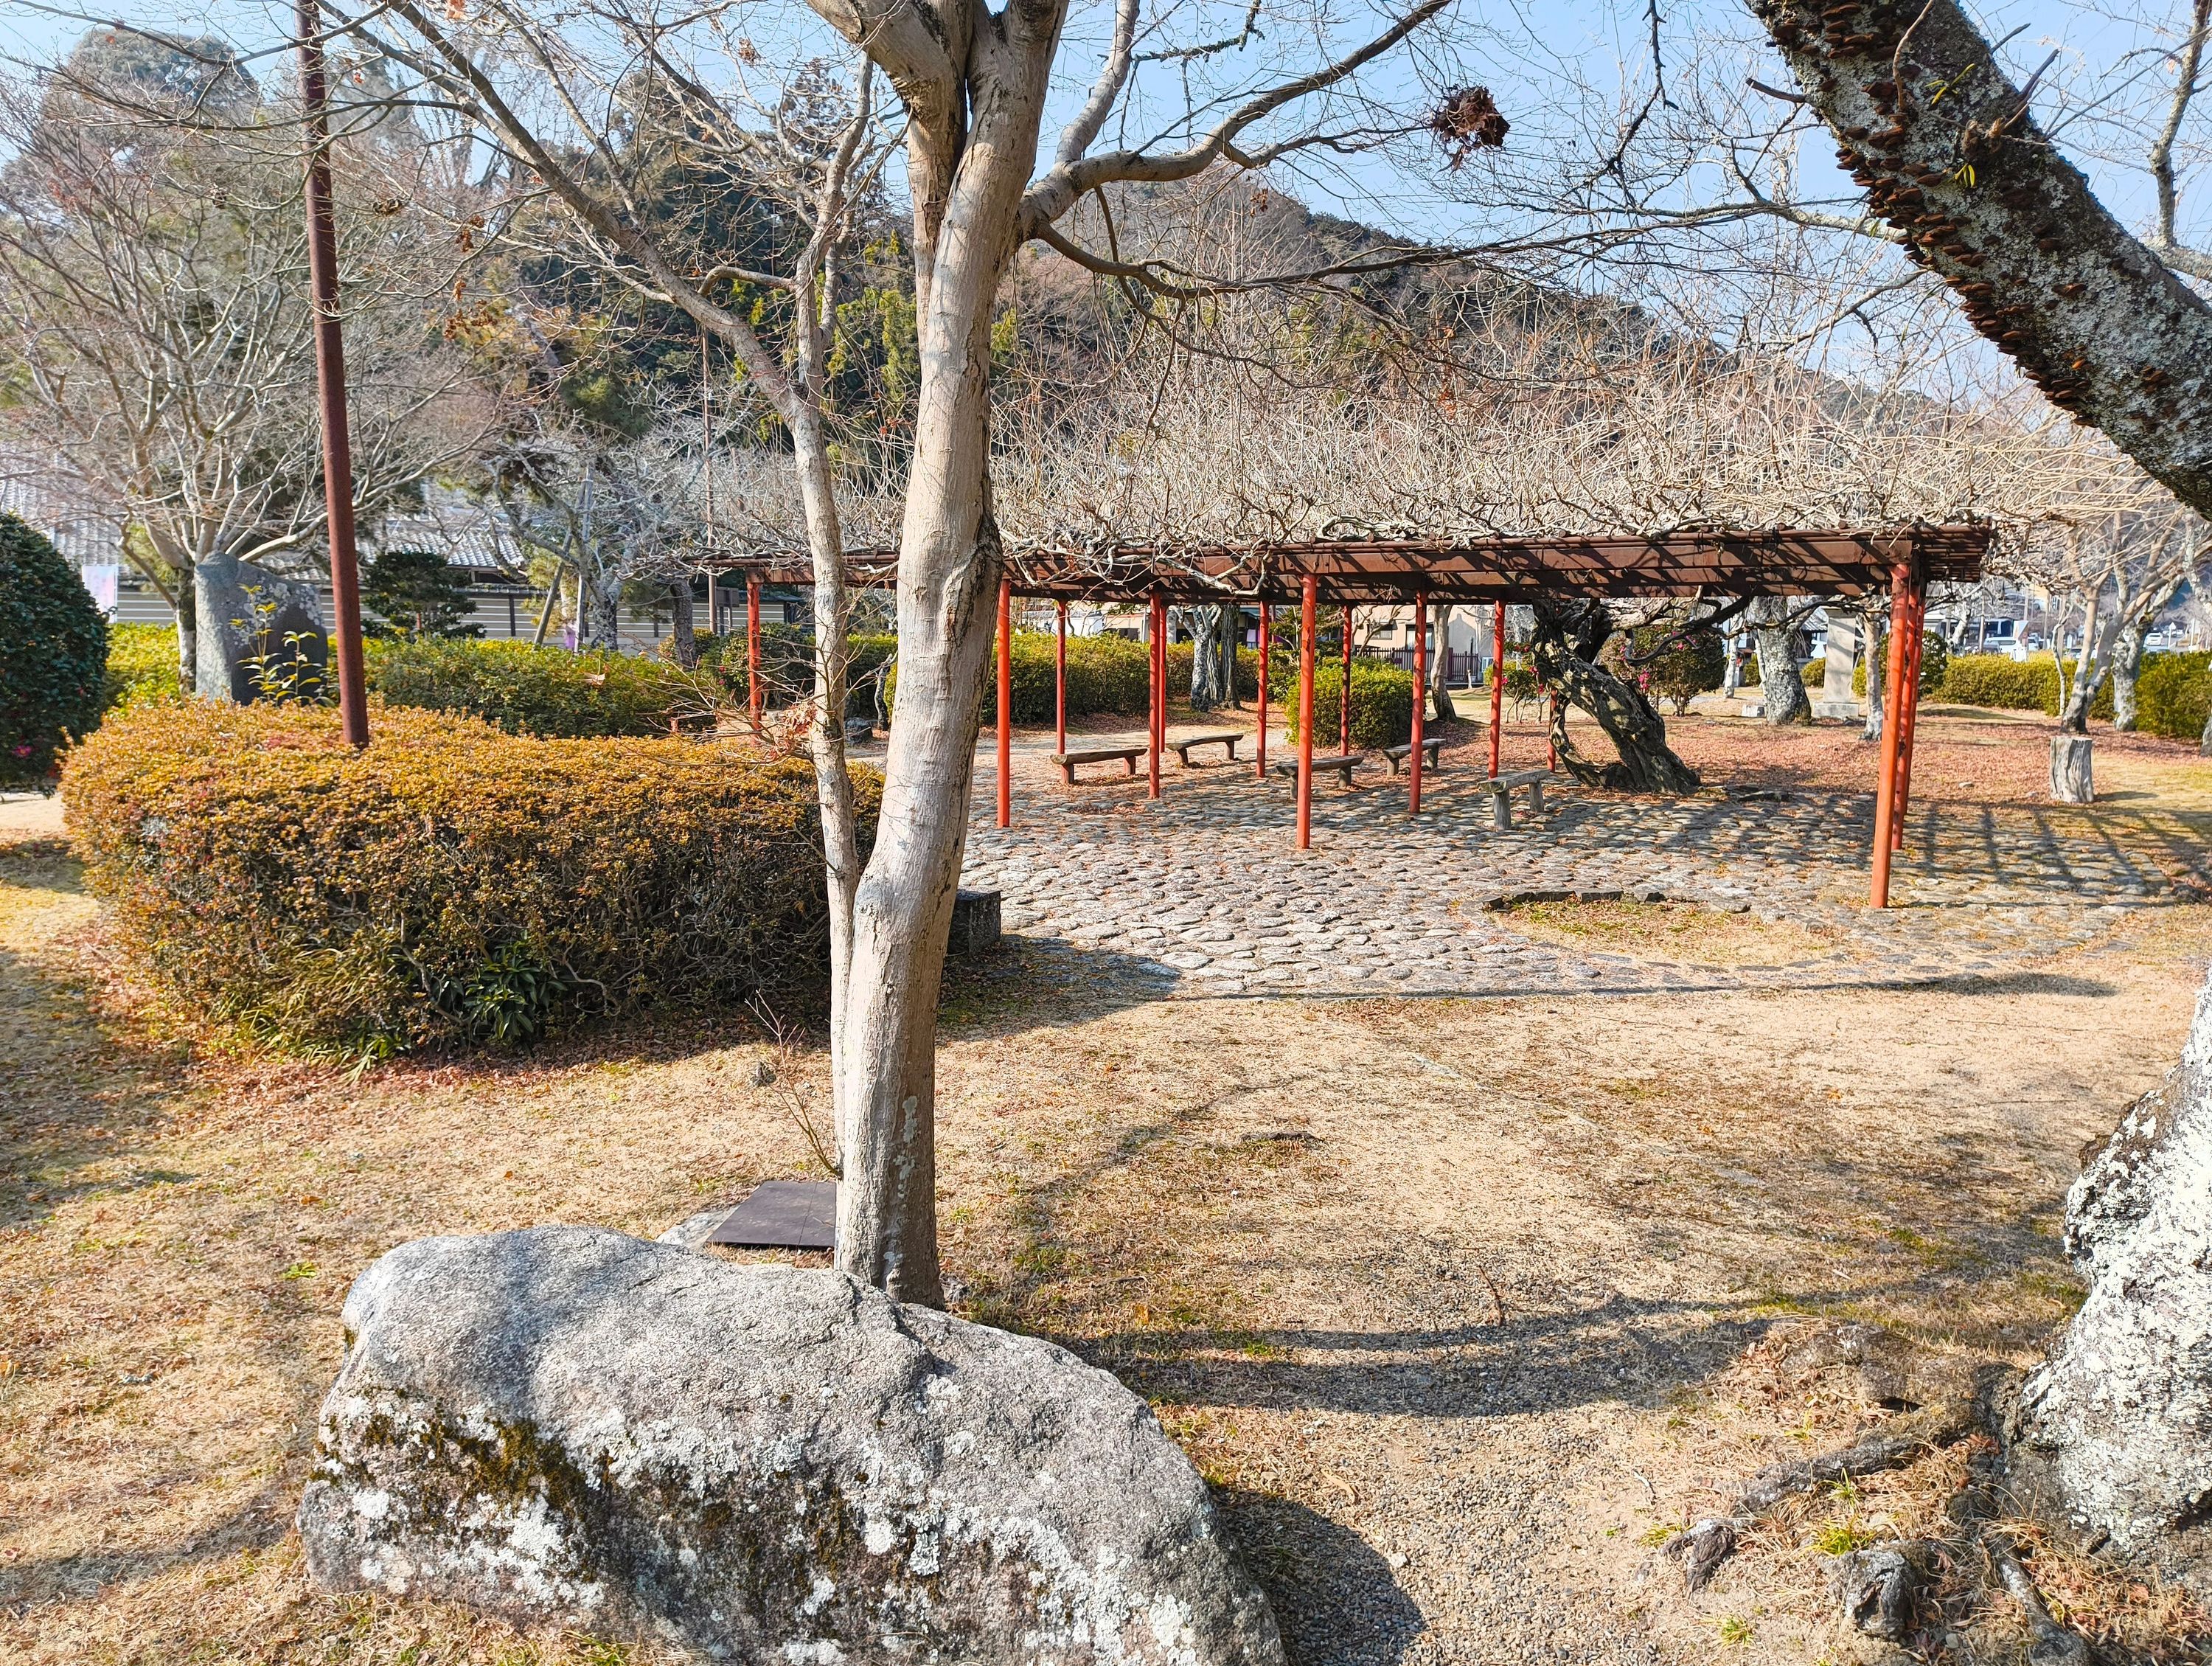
1669, 663
2173, 694
141, 667
53, 655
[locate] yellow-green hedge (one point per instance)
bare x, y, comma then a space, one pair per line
453, 884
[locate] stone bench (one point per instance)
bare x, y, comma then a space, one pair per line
1342, 764
1129, 755
1227, 737
1501, 789
1431, 745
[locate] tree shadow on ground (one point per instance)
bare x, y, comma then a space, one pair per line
1334, 1594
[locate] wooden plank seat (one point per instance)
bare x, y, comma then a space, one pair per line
1129, 755
1431, 745
1342, 764
1501, 789
1227, 737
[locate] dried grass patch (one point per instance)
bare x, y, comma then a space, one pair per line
1670, 933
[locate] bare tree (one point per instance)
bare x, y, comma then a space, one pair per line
153, 304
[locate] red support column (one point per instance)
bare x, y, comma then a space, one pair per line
1060, 678
1006, 702
752, 651
1261, 747
1884, 792
1344, 691
345, 648
1911, 716
1308, 607
1159, 700
1420, 695
1497, 684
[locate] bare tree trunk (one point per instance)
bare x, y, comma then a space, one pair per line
188, 635
1781, 683
2090, 667
1232, 627
599, 610
1566, 640
552, 604
1207, 688
1874, 632
1440, 669
2204, 740
684, 631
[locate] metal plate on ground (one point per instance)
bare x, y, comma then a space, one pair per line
783, 1215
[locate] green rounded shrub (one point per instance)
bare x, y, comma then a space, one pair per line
1382, 703
453, 884
2173, 696
53, 655
545, 691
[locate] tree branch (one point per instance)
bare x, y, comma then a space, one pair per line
1949, 153
1068, 180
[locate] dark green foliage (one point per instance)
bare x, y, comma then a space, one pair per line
451, 884
787, 666
416, 594
1935, 667
53, 655
1108, 676
1382, 703
546, 691
2173, 694
1690, 663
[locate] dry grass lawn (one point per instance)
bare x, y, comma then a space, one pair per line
1460, 1305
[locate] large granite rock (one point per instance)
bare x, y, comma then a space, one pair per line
2121, 1413
761, 1463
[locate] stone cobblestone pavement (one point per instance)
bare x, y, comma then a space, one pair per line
1202, 893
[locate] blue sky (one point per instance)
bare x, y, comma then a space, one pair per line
1561, 70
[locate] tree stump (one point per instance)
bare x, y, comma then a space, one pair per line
2070, 770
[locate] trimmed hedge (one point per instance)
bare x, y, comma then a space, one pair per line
1382, 703
2004, 683
548, 692
452, 884
2173, 696
1695, 665
53, 655
141, 667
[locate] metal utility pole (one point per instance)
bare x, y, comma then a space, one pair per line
329, 377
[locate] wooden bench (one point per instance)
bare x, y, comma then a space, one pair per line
1501, 789
1342, 764
1227, 737
1431, 745
1129, 755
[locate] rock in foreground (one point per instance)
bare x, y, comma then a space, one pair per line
759, 1463
2122, 1413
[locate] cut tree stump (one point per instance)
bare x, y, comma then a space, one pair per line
2070, 782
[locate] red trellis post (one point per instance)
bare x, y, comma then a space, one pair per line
1344, 691
330, 379
1420, 693
1006, 702
1060, 678
1884, 792
1262, 746
1159, 700
1307, 606
1497, 684
1910, 716
752, 651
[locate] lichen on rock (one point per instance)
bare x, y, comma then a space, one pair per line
758, 1463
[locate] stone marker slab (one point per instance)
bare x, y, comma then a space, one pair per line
782, 1214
